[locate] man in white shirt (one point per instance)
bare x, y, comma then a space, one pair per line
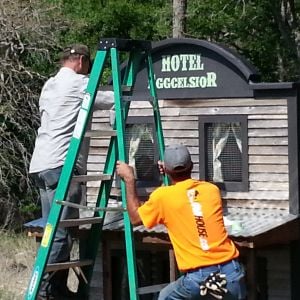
59, 105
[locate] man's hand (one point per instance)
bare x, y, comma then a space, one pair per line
161, 167
125, 171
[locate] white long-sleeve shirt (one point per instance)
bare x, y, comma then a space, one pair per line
59, 105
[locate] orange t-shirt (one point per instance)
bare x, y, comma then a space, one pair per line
192, 212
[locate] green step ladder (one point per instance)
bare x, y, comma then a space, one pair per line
109, 51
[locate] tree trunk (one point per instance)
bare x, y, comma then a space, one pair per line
179, 18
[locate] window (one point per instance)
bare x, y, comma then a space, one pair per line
141, 147
223, 151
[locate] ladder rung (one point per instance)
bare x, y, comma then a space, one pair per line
100, 133
85, 178
75, 205
68, 265
80, 221
151, 288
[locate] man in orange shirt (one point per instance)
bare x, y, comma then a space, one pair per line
192, 212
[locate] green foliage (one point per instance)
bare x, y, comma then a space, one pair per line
91, 20
253, 28
261, 31
27, 47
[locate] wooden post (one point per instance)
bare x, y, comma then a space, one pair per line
251, 275
173, 268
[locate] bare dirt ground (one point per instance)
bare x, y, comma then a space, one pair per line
17, 253
17, 257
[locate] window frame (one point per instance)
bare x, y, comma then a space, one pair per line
229, 186
148, 120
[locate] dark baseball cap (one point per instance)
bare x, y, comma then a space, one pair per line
177, 158
80, 49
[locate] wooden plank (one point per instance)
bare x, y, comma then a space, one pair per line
79, 221
96, 159
226, 110
143, 104
258, 195
101, 113
269, 168
68, 265
149, 112
100, 133
95, 167
267, 177
268, 141
271, 150
167, 118
224, 102
253, 203
103, 121
181, 125
267, 124
101, 143
181, 134
98, 150
95, 184
266, 186
101, 124
268, 159
93, 191
267, 132
186, 141
268, 117
85, 178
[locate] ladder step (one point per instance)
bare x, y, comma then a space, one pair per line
86, 178
68, 265
80, 221
75, 205
100, 133
151, 288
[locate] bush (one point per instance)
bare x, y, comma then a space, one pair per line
28, 44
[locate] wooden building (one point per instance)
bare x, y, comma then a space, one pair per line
243, 135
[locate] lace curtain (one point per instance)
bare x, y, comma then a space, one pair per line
138, 133
221, 132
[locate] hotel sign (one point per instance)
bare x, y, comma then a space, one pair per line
185, 63
195, 69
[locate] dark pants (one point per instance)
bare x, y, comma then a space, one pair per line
47, 183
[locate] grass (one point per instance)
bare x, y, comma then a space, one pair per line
17, 253
17, 257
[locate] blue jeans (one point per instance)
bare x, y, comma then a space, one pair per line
188, 285
47, 182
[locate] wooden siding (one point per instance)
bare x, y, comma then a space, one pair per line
267, 142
